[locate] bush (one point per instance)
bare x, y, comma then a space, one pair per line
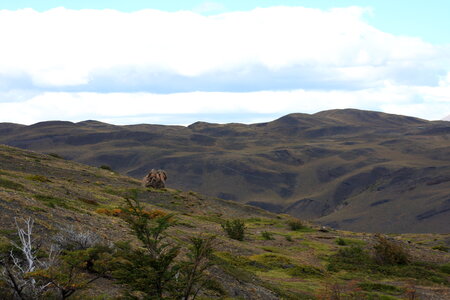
441, 248
389, 253
70, 238
106, 167
5, 183
305, 271
153, 271
350, 258
51, 201
267, 235
235, 229
341, 242
296, 224
38, 178
55, 155
379, 287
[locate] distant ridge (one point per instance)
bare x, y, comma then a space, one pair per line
447, 118
350, 169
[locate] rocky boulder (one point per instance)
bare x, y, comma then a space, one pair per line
155, 179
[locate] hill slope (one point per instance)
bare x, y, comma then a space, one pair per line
288, 265
351, 169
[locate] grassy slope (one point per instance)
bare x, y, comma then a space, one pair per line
59, 193
355, 170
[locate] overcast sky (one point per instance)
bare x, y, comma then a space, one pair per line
176, 62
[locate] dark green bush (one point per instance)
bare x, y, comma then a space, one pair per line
55, 155
350, 258
390, 253
304, 271
51, 201
296, 224
106, 167
5, 183
441, 248
445, 268
341, 242
235, 229
38, 178
379, 287
267, 235
354, 258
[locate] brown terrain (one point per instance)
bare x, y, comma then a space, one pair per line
274, 260
357, 170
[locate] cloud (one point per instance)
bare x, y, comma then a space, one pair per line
186, 108
280, 48
178, 67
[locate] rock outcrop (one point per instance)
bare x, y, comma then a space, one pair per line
155, 179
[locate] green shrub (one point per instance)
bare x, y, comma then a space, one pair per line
51, 201
288, 238
305, 271
350, 258
341, 242
272, 261
235, 229
55, 155
106, 167
441, 248
296, 224
379, 287
389, 253
445, 268
267, 235
38, 178
5, 183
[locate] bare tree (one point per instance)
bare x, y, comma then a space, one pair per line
22, 261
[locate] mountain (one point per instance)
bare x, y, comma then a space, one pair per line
272, 262
447, 118
349, 169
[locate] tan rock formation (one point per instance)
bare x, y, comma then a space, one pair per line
155, 179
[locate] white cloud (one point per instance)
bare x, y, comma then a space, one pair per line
110, 65
64, 47
123, 108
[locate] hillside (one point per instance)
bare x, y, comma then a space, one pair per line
349, 169
281, 264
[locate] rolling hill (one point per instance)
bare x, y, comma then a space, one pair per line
272, 262
349, 169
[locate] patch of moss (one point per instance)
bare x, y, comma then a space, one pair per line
445, 268
441, 248
305, 271
356, 259
380, 287
38, 178
265, 235
272, 261
8, 184
214, 218
51, 201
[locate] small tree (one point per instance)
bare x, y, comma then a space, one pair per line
296, 224
235, 229
153, 270
193, 270
389, 253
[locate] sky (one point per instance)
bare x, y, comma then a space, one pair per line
178, 62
